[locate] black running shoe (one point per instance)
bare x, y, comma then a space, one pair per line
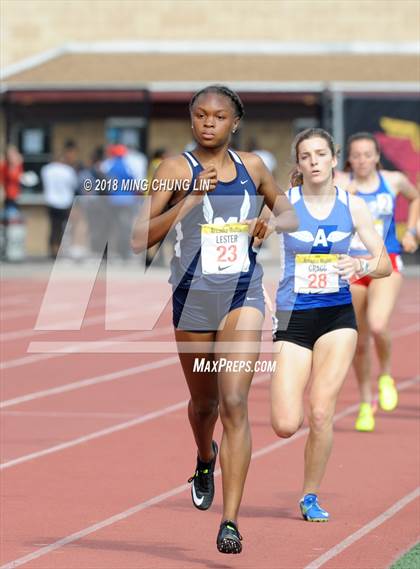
202, 487
229, 539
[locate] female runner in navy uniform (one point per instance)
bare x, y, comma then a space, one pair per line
315, 329
217, 283
374, 300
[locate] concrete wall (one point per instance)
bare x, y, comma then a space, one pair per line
88, 134
29, 27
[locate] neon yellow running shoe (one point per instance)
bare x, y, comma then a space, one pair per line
388, 394
365, 421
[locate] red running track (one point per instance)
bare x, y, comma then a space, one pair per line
94, 473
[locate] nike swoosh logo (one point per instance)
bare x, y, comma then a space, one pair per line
197, 501
223, 268
244, 182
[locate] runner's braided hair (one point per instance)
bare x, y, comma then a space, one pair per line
221, 90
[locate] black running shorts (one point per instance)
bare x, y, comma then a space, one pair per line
305, 327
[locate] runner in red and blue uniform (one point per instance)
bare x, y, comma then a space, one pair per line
374, 300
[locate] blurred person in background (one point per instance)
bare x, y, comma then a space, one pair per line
124, 170
158, 156
12, 223
11, 170
95, 204
374, 300
137, 163
267, 157
60, 183
268, 249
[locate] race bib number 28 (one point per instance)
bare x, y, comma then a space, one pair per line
224, 248
315, 273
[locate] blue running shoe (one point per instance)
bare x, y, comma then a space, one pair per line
311, 510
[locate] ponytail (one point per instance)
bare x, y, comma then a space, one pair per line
296, 178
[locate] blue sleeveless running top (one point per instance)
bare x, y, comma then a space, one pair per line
213, 250
381, 204
308, 256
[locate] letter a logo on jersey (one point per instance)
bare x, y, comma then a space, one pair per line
320, 238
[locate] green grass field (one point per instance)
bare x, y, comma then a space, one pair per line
411, 560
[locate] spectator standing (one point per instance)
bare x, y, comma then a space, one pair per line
11, 170
60, 183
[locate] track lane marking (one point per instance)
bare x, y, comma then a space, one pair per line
166, 495
148, 417
352, 538
56, 390
94, 380
34, 358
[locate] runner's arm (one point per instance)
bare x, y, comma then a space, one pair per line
282, 216
410, 192
153, 222
379, 265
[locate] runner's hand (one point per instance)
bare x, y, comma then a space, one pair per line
409, 243
258, 229
347, 267
206, 181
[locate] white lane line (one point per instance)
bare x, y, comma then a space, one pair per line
133, 347
166, 495
406, 330
19, 298
379, 520
67, 414
113, 302
409, 308
107, 431
34, 358
27, 360
80, 384
58, 307
96, 527
96, 435
12, 314
90, 381
149, 417
66, 325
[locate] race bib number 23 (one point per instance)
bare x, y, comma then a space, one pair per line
224, 248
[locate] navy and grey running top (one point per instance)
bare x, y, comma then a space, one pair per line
308, 255
213, 250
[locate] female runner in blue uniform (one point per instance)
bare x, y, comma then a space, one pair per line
374, 300
216, 286
315, 330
